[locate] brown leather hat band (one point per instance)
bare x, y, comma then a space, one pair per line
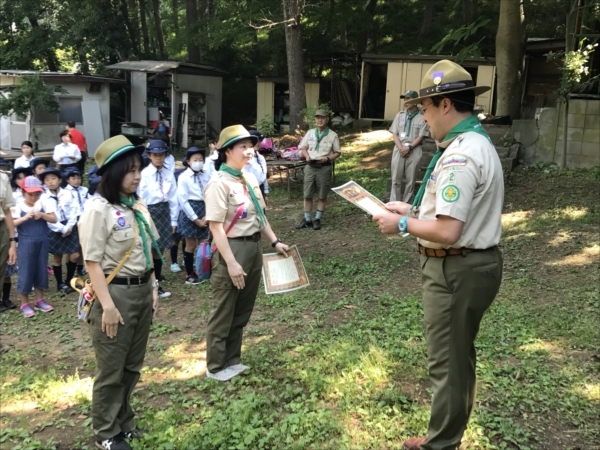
441, 88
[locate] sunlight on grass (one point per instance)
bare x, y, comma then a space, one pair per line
589, 255
591, 391
512, 221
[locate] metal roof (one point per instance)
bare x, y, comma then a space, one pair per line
165, 66
60, 76
377, 57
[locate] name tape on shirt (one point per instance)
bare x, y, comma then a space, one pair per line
453, 161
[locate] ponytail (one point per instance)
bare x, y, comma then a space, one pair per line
222, 158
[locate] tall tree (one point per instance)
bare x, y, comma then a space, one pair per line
191, 21
160, 38
367, 26
295, 61
470, 10
509, 58
125, 13
175, 15
427, 18
144, 27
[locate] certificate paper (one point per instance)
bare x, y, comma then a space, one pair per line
281, 274
357, 195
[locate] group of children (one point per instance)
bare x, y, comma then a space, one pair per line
49, 202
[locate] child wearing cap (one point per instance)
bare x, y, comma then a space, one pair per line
25, 160
31, 218
62, 235
17, 175
192, 215
158, 190
38, 166
80, 197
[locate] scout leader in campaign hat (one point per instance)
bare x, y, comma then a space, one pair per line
446, 77
111, 149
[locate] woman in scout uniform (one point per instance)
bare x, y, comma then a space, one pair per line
192, 214
456, 216
234, 210
158, 189
113, 224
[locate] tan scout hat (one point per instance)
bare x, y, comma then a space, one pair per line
112, 148
233, 134
445, 77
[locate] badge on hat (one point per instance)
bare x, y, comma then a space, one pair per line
437, 77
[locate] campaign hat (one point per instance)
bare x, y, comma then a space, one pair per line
233, 134
111, 149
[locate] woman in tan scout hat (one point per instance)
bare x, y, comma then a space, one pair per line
456, 217
234, 210
117, 236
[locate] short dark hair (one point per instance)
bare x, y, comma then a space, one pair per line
463, 101
114, 173
64, 133
71, 124
27, 143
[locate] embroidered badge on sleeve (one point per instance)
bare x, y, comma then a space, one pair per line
455, 160
450, 193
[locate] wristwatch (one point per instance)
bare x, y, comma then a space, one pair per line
15, 239
403, 224
155, 284
410, 148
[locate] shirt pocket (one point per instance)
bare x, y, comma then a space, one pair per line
123, 236
325, 146
431, 186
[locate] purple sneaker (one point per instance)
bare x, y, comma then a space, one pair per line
41, 305
27, 310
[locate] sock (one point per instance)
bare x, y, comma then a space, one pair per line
174, 249
319, 214
71, 267
6, 290
79, 267
307, 216
157, 268
58, 275
188, 259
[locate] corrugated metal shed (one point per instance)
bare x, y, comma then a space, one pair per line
165, 66
61, 76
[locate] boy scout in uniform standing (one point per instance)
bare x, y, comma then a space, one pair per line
320, 147
408, 131
458, 227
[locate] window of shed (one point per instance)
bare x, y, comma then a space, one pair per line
70, 110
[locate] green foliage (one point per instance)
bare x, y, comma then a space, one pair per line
31, 92
308, 114
574, 67
266, 126
458, 39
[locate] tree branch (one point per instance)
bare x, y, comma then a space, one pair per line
271, 24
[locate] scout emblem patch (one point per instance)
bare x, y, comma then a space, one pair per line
450, 193
437, 77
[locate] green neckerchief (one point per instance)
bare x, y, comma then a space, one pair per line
320, 136
469, 124
145, 230
409, 117
236, 173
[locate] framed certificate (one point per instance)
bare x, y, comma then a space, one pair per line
281, 274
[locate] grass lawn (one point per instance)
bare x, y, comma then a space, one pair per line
342, 364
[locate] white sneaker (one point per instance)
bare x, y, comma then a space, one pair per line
223, 375
175, 267
163, 294
239, 368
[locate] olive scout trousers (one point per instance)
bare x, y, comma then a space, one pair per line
457, 290
232, 307
119, 359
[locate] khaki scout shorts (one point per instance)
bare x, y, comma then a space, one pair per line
317, 181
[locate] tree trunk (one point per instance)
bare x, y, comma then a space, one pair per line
509, 60
128, 26
144, 26
51, 60
135, 20
470, 10
191, 20
159, 31
427, 18
363, 35
175, 12
295, 62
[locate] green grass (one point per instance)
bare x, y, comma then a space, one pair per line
342, 364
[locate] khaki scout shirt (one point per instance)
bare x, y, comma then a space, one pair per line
467, 184
418, 127
329, 144
106, 233
6, 197
222, 196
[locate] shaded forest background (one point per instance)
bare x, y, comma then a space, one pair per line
246, 38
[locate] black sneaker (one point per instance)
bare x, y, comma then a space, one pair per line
317, 224
114, 443
8, 304
136, 433
192, 279
163, 294
304, 224
82, 272
64, 289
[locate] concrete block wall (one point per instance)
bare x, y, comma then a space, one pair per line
542, 140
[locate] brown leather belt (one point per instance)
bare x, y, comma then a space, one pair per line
443, 252
254, 237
